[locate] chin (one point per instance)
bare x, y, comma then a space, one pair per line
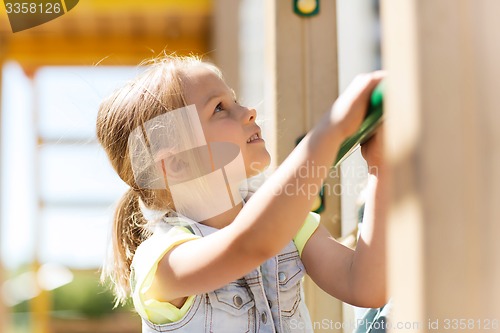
257, 162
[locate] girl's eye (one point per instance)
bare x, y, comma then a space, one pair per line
218, 108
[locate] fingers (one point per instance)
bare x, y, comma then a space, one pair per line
372, 150
365, 83
350, 108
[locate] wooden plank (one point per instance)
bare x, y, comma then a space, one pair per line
225, 48
442, 58
99, 48
303, 83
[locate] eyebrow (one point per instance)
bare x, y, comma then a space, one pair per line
212, 97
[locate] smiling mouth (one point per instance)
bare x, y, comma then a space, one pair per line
254, 137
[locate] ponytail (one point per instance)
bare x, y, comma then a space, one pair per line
127, 233
121, 113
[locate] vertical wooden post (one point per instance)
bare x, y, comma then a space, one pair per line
442, 144
303, 83
226, 40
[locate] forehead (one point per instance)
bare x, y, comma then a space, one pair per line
201, 82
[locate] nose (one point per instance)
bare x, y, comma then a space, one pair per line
250, 114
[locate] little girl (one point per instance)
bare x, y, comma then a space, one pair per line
197, 255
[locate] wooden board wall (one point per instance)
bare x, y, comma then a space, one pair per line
443, 147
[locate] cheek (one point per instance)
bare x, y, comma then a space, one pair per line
223, 133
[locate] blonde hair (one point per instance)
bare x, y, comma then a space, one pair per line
157, 90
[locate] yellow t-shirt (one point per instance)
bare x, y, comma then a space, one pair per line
149, 254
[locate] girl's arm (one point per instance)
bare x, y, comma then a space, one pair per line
274, 214
356, 277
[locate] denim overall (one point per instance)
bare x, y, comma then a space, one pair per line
268, 299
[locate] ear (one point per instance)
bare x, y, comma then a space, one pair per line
174, 169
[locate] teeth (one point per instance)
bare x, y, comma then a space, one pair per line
253, 137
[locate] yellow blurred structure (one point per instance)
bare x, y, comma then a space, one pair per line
111, 32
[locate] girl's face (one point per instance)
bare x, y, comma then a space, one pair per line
223, 119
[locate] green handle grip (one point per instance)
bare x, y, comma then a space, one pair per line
372, 120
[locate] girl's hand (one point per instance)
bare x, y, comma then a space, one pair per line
349, 109
372, 151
